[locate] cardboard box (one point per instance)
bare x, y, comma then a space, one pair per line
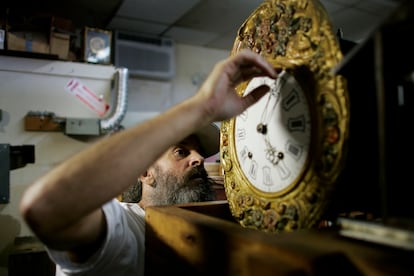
62, 25
28, 42
59, 44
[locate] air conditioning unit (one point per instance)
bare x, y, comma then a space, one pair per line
145, 57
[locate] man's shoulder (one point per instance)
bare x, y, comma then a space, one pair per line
132, 207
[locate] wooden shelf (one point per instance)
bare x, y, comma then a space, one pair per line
203, 239
24, 54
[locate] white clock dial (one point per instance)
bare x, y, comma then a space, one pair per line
272, 137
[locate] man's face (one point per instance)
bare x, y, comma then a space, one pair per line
180, 176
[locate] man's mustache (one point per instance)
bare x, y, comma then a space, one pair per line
197, 172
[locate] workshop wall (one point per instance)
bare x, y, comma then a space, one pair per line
38, 85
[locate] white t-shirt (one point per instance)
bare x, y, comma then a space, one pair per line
123, 250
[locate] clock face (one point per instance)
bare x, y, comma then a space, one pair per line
272, 137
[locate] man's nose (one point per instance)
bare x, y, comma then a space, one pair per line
196, 159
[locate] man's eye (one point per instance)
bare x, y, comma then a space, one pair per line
180, 152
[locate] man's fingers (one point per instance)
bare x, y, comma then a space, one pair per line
253, 72
255, 95
249, 65
256, 63
248, 73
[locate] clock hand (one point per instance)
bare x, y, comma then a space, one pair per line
274, 92
272, 154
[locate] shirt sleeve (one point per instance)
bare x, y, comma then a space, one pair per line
122, 252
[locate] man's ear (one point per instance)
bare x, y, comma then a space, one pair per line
147, 178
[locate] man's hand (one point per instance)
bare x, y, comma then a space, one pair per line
218, 91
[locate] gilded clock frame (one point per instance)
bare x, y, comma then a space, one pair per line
296, 36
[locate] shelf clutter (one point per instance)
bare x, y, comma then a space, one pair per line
53, 37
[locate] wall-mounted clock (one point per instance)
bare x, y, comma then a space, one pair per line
282, 156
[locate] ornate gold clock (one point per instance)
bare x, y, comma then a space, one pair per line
282, 156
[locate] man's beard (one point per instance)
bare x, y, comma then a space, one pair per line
169, 189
